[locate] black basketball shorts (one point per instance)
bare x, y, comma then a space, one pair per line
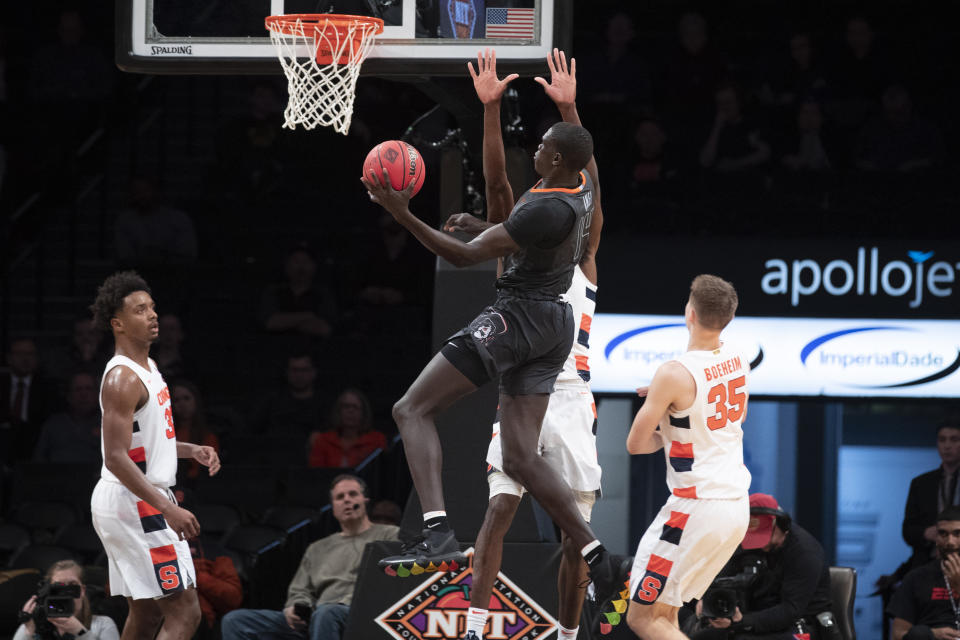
523, 342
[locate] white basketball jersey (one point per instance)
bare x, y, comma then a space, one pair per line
154, 444
582, 296
704, 443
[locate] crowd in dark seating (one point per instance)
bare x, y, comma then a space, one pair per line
315, 315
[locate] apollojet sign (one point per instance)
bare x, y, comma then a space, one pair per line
868, 274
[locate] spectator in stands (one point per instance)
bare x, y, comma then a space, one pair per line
218, 585
250, 150
25, 399
801, 78
386, 512
300, 305
735, 143
4, 108
861, 71
325, 581
604, 70
73, 435
859, 75
82, 624
190, 421
653, 163
809, 150
167, 351
394, 272
86, 352
151, 233
931, 493
70, 83
297, 409
351, 436
691, 73
923, 607
898, 140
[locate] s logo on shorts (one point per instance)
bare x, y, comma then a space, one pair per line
166, 568
487, 327
653, 581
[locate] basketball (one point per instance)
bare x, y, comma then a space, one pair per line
402, 162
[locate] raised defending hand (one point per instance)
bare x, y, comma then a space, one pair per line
562, 88
382, 192
489, 88
207, 456
465, 222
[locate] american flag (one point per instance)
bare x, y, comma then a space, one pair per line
510, 23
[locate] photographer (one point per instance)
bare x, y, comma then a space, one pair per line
925, 606
81, 624
790, 593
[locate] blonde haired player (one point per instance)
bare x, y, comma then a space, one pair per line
694, 410
143, 530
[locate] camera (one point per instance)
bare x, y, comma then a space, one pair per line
54, 600
726, 594
729, 592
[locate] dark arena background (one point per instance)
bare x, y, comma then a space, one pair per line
805, 151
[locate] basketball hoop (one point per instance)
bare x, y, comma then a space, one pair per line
321, 56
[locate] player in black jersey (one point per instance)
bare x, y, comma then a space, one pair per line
523, 338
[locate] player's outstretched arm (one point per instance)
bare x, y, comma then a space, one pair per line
495, 242
562, 89
667, 386
122, 392
490, 90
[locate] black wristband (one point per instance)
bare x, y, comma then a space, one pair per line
83, 631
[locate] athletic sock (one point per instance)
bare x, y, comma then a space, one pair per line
476, 619
436, 521
593, 552
568, 634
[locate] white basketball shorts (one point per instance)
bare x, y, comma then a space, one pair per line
685, 548
568, 440
146, 558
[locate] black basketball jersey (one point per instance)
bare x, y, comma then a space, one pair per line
552, 227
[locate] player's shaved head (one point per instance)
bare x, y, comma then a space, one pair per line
574, 143
714, 300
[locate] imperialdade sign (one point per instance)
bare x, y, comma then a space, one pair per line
792, 356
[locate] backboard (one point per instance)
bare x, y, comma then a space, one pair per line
420, 38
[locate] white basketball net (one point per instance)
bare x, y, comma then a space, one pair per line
321, 94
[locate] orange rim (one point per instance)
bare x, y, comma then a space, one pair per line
321, 22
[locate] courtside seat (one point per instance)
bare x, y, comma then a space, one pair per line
216, 520
40, 557
67, 482
44, 519
251, 489
82, 539
310, 486
843, 591
285, 451
13, 539
263, 564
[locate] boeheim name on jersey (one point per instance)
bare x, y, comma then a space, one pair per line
703, 444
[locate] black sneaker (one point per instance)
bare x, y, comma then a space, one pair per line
611, 583
470, 636
429, 552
